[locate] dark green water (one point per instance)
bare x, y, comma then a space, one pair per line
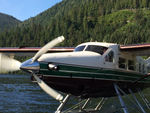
19, 95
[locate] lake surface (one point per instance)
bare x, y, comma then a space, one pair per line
19, 95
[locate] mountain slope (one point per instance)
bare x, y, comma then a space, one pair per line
119, 21
7, 22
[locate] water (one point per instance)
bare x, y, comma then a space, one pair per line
19, 95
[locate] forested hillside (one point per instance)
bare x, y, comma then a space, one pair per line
118, 21
7, 22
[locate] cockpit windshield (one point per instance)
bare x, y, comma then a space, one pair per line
80, 48
98, 49
93, 48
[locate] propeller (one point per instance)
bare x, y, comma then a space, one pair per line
32, 65
48, 89
8, 64
47, 46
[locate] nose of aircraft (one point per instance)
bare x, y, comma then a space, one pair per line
30, 66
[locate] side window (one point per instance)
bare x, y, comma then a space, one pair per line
109, 57
122, 63
131, 65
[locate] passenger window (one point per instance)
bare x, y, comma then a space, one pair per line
131, 65
109, 57
122, 63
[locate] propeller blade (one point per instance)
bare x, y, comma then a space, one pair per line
48, 89
8, 64
28, 65
47, 46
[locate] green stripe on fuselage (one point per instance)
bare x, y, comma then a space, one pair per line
66, 70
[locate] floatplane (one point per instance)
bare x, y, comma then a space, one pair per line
90, 70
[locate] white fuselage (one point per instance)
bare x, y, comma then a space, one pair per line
100, 55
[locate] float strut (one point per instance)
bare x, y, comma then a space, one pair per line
120, 99
137, 101
144, 98
85, 103
100, 103
60, 107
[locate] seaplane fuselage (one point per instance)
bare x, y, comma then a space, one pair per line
92, 69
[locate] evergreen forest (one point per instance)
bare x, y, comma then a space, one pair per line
7, 22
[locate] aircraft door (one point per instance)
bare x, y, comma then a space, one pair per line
109, 59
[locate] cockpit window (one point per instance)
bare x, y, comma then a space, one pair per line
98, 49
80, 48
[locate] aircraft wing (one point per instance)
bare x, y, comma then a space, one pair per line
137, 49
30, 51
